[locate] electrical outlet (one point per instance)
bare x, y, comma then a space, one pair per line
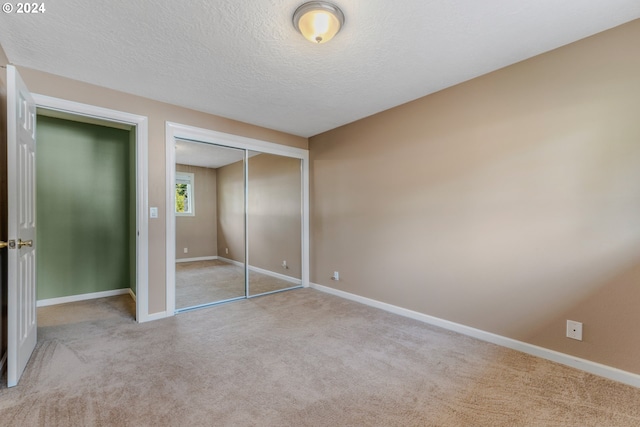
574, 330
336, 276
186, 250
284, 265
226, 251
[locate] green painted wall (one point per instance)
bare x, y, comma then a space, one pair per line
83, 208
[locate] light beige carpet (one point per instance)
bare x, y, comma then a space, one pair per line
298, 358
203, 282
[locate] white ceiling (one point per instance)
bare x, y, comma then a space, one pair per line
244, 60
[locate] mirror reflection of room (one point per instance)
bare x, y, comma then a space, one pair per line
274, 222
201, 277
219, 196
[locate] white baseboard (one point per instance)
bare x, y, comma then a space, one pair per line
2, 362
202, 258
82, 297
231, 261
534, 350
263, 271
276, 275
132, 295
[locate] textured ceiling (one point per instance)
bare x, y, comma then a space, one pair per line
244, 60
207, 155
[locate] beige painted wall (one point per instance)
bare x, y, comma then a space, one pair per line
158, 113
199, 233
274, 212
508, 203
231, 212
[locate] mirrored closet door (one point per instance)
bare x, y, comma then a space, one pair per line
238, 224
209, 224
274, 222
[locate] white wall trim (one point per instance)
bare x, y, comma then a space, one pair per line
263, 271
170, 224
82, 297
176, 130
276, 275
133, 295
534, 350
214, 137
141, 124
231, 261
202, 258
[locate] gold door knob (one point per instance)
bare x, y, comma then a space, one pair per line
3, 244
25, 243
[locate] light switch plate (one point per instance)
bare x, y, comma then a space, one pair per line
153, 212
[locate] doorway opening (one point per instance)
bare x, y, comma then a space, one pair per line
120, 166
86, 213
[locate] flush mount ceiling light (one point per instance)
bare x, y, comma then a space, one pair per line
318, 21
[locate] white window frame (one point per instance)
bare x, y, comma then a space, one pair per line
190, 177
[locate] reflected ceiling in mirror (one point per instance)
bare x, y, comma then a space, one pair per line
207, 155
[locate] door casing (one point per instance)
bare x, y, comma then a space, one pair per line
140, 124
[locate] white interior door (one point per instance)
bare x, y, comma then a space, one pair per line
21, 162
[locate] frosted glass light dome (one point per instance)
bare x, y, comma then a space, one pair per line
318, 21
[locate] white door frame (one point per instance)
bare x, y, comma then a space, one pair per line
176, 130
141, 126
